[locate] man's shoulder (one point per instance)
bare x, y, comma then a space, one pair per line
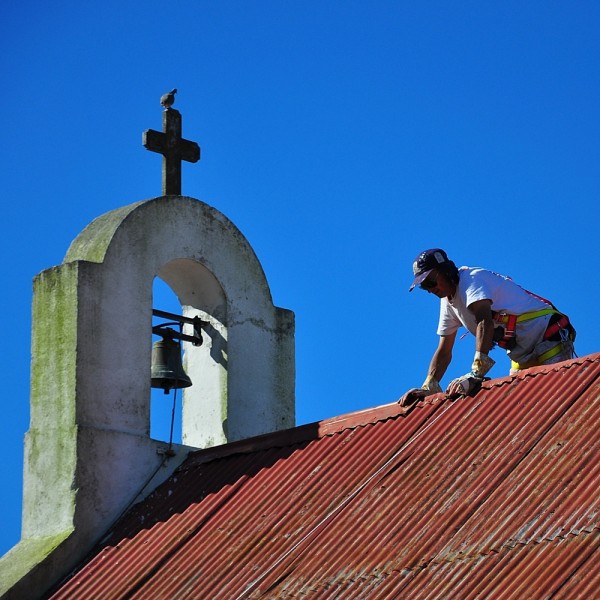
480, 274
477, 283
477, 271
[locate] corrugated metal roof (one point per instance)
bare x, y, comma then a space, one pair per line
492, 496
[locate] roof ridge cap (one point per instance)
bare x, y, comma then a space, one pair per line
542, 370
299, 434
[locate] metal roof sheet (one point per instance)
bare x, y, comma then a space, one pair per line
492, 496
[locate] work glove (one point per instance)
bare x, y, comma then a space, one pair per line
482, 363
412, 396
430, 386
469, 384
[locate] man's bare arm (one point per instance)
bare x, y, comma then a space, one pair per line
440, 360
484, 338
484, 341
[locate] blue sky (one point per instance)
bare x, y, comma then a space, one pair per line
341, 137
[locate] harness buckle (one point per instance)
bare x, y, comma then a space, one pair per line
505, 336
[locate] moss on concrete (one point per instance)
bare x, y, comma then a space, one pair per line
54, 347
22, 560
93, 242
51, 442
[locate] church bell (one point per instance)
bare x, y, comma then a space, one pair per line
167, 371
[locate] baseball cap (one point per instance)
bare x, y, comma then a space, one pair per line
425, 262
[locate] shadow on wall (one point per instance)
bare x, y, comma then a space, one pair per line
218, 350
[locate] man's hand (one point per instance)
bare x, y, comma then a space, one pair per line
467, 385
430, 386
470, 383
413, 396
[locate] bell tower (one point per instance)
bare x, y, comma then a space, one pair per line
88, 451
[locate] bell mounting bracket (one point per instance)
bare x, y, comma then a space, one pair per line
165, 331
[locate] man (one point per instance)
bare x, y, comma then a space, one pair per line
496, 311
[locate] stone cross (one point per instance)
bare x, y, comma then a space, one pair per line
174, 149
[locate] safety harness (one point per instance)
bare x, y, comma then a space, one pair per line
508, 339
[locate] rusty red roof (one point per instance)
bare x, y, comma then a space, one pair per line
492, 496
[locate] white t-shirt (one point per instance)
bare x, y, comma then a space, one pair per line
506, 296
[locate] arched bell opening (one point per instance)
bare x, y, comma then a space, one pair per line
197, 402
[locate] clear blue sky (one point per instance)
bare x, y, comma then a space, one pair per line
341, 137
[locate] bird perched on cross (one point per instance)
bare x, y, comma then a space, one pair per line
168, 99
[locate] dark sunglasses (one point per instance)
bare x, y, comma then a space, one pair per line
430, 282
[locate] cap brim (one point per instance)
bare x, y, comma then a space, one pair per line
419, 279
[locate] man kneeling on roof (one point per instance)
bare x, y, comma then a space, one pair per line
496, 311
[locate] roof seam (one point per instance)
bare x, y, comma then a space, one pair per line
503, 548
584, 562
423, 567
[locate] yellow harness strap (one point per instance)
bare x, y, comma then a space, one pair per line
503, 317
540, 360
